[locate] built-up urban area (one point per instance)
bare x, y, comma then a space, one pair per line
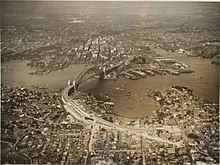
74, 126
36, 129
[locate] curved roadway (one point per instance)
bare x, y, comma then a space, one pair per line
79, 112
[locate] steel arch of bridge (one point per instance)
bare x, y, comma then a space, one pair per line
93, 71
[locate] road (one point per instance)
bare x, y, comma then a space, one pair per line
79, 112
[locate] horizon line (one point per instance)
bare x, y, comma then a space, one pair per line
110, 0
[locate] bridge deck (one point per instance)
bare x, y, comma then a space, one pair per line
96, 72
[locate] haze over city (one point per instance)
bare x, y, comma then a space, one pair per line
109, 82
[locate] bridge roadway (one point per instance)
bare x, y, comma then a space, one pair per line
79, 112
96, 72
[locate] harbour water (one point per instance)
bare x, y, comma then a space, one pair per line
129, 96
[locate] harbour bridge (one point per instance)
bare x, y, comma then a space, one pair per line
91, 72
78, 110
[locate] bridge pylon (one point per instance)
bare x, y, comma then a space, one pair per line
74, 86
69, 82
104, 71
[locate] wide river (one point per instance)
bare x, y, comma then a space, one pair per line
129, 96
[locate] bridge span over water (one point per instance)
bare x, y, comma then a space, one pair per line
80, 111
91, 72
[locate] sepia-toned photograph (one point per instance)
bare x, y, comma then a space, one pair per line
110, 82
